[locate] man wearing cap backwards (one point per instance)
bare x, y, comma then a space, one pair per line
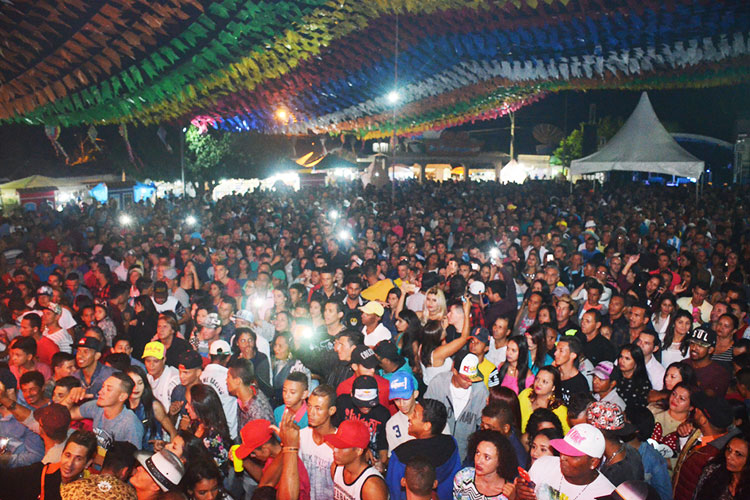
372, 328
40, 481
574, 474
162, 378
478, 346
391, 362
364, 361
362, 404
712, 377
44, 299
190, 367
215, 375
91, 372
425, 426
622, 462
712, 418
462, 395
52, 329
352, 477
156, 473
260, 445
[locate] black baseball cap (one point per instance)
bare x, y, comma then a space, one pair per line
365, 391
481, 334
703, 335
363, 355
190, 359
388, 350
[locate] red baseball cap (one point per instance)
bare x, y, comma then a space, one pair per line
350, 434
255, 434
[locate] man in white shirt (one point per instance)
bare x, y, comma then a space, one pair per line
215, 375
314, 452
576, 476
44, 299
52, 328
649, 343
697, 305
404, 394
162, 378
373, 329
501, 330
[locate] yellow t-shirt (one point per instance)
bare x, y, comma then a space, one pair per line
526, 411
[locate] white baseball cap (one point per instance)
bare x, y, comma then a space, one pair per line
582, 439
219, 347
476, 288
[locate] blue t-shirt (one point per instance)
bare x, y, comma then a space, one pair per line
124, 427
279, 412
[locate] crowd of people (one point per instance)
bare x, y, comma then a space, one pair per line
454, 340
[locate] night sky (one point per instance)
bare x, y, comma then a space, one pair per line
713, 112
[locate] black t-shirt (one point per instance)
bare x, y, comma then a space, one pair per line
630, 468
374, 420
574, 385
178, 347
599, 349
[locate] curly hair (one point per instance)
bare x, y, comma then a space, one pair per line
507, 463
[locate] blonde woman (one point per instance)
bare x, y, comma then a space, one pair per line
435, 307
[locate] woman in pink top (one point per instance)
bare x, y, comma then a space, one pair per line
515, 373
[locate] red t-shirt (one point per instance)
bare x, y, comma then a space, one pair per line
45, 349
384, 387
304, 479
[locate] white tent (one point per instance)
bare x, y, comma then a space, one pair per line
641, 145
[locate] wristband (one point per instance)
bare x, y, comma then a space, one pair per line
289, 449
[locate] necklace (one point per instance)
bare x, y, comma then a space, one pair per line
609, 458
559, 488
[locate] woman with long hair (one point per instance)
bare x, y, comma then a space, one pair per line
662, 317
434, 353
494, 469
390, 315
545, 393
727, 476
677, 372
678, 410
244, 271
540, 444
203, 481
515, 373
245, 347
675, 344
435, 307
316, 313
208, 423
409, 330
189, 281
507, 396
532, 268
631, 376
283, 363
536, 339
148, 410
280, 301
143, 326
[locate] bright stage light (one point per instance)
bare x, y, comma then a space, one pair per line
393, 97
126, 219
282, 114
190, 220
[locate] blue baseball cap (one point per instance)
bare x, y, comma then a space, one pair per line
401, 386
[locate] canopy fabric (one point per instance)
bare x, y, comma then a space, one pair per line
641, 145
298, 66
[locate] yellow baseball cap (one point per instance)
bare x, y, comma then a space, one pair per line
154, 350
